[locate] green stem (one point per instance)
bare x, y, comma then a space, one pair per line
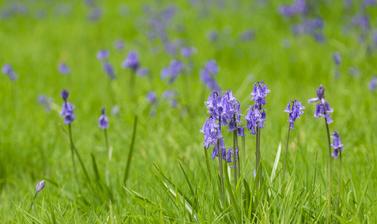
221, 173
257, 159
72, 146
207, 164
235, 156
74, 149
329, 171
286, 152
32, 201
108, 154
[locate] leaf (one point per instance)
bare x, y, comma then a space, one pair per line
130, 153
276, 163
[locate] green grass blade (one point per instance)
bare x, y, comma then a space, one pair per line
130, 153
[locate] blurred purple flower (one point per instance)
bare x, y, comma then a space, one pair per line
211, 132
132, 61
373, 83
259, 93
142, 72
247, 35
213, 36
187, 51
296, 8
108, 68
45, 102
119, 45
255, 118
95, 14
231, 111
361, 21
173, 71
8, 71
170, 96
336, 57
152, 97
295, 110
103, 55
208, 73
103, 121
63, 69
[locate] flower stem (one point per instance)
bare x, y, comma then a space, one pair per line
74, 150
72, 146
221, 171
32, 201
235, 155
207, 164
108, 154
286, 152
329, 171
257, 159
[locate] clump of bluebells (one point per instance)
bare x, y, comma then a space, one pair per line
223, 111
255, 119
67, 111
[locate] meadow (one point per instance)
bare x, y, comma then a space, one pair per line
112, 110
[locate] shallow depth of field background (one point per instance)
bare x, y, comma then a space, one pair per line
35, 36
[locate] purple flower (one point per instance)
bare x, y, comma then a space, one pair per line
67, 109
259, 93
295, 110
336, 144
173, 71
152, 97
230, 109
373, 83
95, 14
336, 57
102, 55
108, 68
213, 36
187, 51
45, 102
298, 7
215, 152
142, 72
362, 21
103, 121
8, 70
132, 61
255, 118
119, 45
213, 105
208, 73
323, 108
39, 187
247, 35
63, 69
170, 96
211, 132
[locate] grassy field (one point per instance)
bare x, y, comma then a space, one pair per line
168, 180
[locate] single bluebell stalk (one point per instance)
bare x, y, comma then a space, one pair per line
8, 71
255, 118
64, 69
38, 188
103, 123
294, 110
207, 75
173, 71
323, 110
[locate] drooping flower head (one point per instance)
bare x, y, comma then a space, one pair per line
323, 108
67, 109
255, 118
259, 93
213, 104
211, 132
132, 61
336, 144
8, 71
208, 73
40, 185
103, 121
295, 110
231, 110
173, 71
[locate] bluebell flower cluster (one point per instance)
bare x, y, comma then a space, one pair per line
336, 144
103, 56
207, 75
103, 120
256, 114
8, 71
294, 109
323, 108
172, 71
67, 111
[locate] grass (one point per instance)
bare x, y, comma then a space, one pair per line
168, 180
